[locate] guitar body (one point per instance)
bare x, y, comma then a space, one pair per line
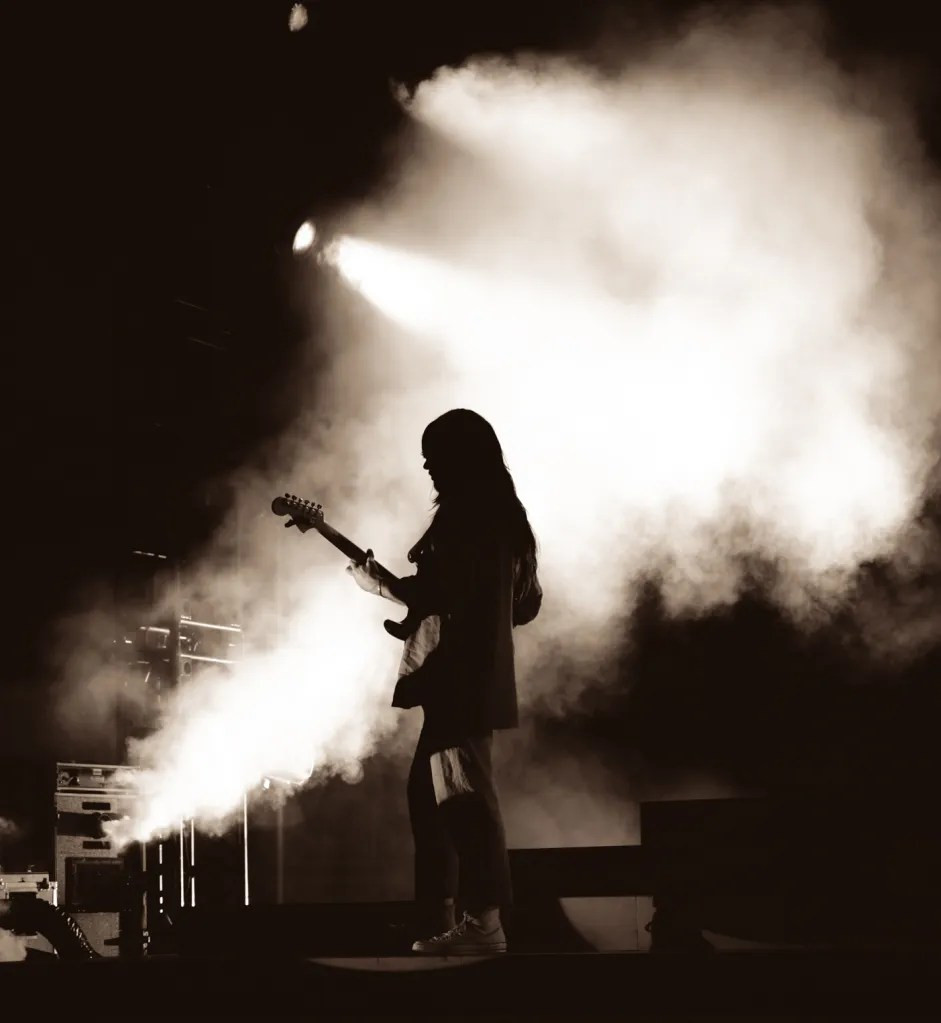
405, 628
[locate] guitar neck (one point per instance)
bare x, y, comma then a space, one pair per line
346, 546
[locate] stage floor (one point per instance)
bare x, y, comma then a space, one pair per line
873, 982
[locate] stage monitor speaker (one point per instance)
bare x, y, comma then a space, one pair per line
96, 881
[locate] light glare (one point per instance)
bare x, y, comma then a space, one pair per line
298, 18
304, 237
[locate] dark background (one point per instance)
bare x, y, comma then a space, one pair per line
158, 159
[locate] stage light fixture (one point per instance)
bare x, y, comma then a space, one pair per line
298, 18
304, 237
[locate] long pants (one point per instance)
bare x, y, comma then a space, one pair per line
460, 845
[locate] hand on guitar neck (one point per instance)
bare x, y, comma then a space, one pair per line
372, 577
368, 573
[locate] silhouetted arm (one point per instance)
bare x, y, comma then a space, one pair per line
398, 590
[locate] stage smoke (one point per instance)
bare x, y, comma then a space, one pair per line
697, 301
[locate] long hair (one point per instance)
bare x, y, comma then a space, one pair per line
476, 481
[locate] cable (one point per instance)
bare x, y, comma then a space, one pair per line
32, 915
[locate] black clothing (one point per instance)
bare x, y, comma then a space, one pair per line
469, 580
458, 666
456, 825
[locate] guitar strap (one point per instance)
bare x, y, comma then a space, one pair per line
421, 546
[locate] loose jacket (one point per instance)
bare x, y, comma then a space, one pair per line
459, 664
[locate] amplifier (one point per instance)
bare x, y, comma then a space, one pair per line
38, 884
94, 778
93, 877
24, 886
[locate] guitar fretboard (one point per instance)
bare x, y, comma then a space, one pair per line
346, 546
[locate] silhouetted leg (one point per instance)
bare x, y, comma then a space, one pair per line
436, 861
469, 806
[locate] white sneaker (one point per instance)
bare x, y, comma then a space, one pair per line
466, 939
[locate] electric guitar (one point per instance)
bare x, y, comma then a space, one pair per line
307, 515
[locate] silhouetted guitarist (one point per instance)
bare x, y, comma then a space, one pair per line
476, 580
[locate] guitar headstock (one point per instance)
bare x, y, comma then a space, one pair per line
304, 513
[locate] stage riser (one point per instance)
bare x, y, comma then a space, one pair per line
569, 925
872, 984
